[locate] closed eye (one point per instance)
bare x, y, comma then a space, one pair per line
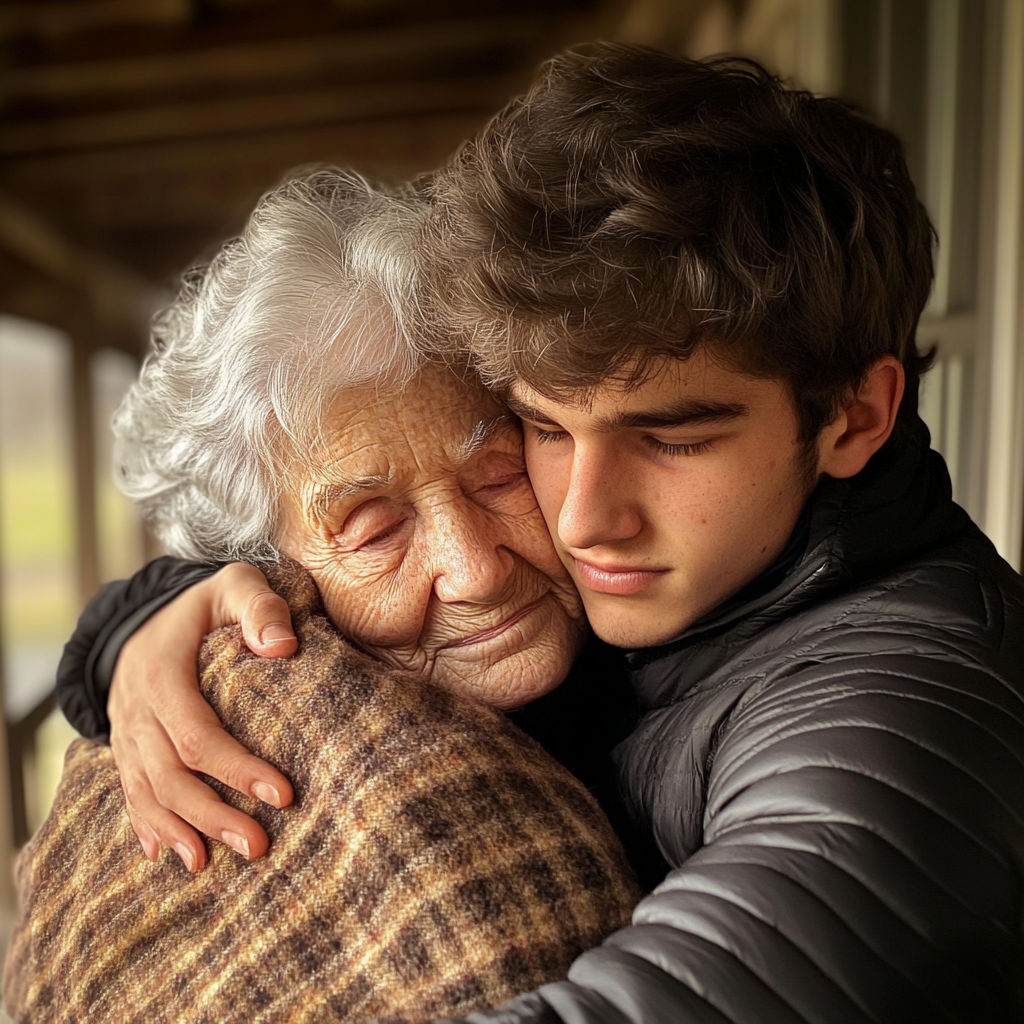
384, 535
506, 492
543, 436
374, 524
690, 448
502, 483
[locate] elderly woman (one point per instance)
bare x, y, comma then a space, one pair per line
399, 484
287, 412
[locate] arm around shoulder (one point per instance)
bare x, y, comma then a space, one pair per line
109, 619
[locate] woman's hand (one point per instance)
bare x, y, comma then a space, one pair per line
162, 730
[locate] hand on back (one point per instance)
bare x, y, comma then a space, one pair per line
162, 731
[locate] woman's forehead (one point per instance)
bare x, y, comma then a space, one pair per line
433, 393
436, 426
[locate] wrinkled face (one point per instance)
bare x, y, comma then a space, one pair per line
424, 537
668, 499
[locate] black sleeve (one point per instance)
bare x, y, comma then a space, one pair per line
109, 619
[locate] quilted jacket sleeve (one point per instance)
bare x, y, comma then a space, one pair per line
863, 838
109, 619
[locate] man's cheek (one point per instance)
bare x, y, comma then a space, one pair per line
547, 475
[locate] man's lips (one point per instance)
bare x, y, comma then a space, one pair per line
496, 631
615, 579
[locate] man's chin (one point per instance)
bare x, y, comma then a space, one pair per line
632, 627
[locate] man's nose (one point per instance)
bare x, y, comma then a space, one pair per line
470, 558
601, 505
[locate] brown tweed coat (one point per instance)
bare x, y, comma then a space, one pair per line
435, 860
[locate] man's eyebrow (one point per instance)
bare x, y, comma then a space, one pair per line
688, 412
328, 494
526, 411
483, 432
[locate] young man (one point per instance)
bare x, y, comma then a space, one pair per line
700, 291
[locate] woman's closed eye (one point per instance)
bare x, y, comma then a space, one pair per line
500, 480
374, 525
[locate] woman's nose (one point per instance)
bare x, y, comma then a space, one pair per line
471, 560
600, 503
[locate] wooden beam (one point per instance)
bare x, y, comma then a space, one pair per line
376, 138
116, 294
156, 208
255, 114
267, 63
214, 182
27, 293
85, 342
65, 17
34, 242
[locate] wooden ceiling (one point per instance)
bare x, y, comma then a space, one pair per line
137, 134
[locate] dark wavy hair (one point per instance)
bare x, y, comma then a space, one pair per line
633, 205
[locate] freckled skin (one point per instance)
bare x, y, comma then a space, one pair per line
426, 563
707, 516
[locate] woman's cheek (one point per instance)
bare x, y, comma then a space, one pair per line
374, 608
533, 545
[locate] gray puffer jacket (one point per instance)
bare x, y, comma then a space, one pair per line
834, 771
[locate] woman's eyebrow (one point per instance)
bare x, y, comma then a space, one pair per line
481, 434
326, 495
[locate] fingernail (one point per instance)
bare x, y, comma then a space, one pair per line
237, 842
187, 855
276, 633
265, 792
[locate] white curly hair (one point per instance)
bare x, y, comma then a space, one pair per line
317, 294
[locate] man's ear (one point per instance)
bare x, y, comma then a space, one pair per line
865, 422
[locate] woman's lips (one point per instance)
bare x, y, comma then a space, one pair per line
621, 580
501, 627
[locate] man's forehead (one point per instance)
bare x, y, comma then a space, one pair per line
704, 367
667, 398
